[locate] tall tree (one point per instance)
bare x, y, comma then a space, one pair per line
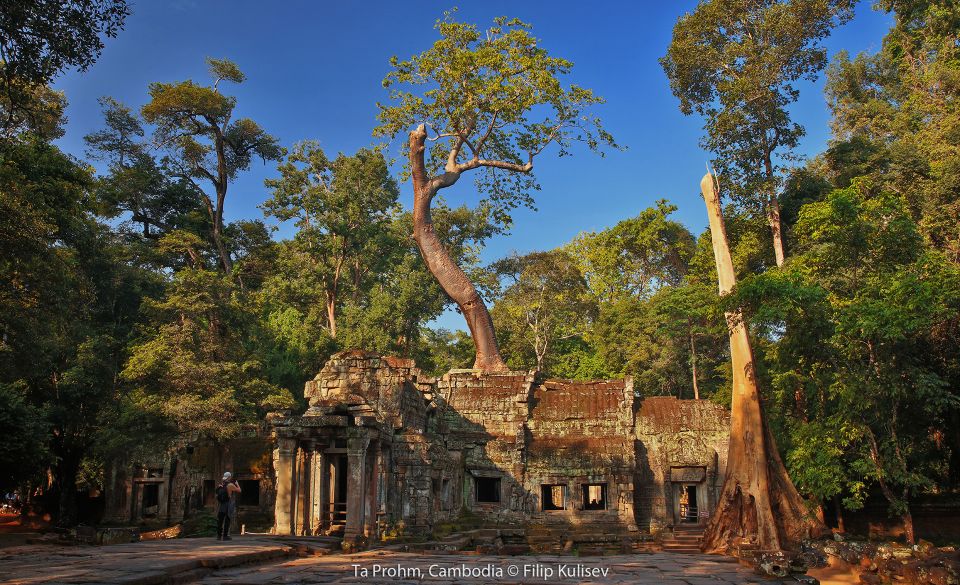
69, 302
489, 101
136, 187
195, 124
736, 64
864, 303
341, 208
636, 257
758, 500
896, 117
545, 301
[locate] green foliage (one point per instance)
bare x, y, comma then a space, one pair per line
24, 452
342, 209
545, 302
736, 64
137, 189
30, 108
895, 116
495, 98
636, 257
69, 302
39, 39
852, 323
195, 125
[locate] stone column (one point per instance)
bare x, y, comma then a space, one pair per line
304, 485
372, 477
283, 465
356, 492
316, 495
326, 493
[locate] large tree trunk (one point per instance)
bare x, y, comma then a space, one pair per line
66, 470
758, 505
773, 214
332, 315
693, 366
838, 510
776, 229
453, 280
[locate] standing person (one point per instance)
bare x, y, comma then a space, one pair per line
226, 505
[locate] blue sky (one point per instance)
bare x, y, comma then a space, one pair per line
314, 71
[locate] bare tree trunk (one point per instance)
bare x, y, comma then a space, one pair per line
773, 213
332, 315
907, 518
66, 480
773, 217
453, 280
693, 366
222, 180
758, 504
839, 513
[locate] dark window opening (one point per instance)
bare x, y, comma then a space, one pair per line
553, 496
151, 499
594, 496
488, 489
249, 492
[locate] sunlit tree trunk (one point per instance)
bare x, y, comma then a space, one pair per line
759, 504
453, 280
773, 213
693, 366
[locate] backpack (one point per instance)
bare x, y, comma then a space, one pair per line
223, 496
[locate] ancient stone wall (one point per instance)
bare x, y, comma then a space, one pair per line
679, 442
483, 419
581, 434
505, 446
174, 484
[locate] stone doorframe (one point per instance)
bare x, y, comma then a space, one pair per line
680, 478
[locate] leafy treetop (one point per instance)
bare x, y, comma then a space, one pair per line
491, 100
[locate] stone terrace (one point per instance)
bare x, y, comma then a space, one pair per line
262, 560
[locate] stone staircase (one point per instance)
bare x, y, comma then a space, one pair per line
586, 540
683, 539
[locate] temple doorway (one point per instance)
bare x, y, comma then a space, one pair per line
689, 512
337, 505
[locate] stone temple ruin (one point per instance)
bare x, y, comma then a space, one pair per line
383, 446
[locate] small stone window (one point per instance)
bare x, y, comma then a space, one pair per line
553, 496
488, 490
594, 496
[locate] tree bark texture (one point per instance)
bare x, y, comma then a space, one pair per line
693, 367
220, 185
758, 505
773, 217
773, 212
453, 280
67, 469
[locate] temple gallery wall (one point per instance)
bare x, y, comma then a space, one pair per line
383, 447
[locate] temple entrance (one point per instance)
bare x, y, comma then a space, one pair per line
689, 511
690, 497
336, 509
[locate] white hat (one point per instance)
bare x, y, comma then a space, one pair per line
227, 476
